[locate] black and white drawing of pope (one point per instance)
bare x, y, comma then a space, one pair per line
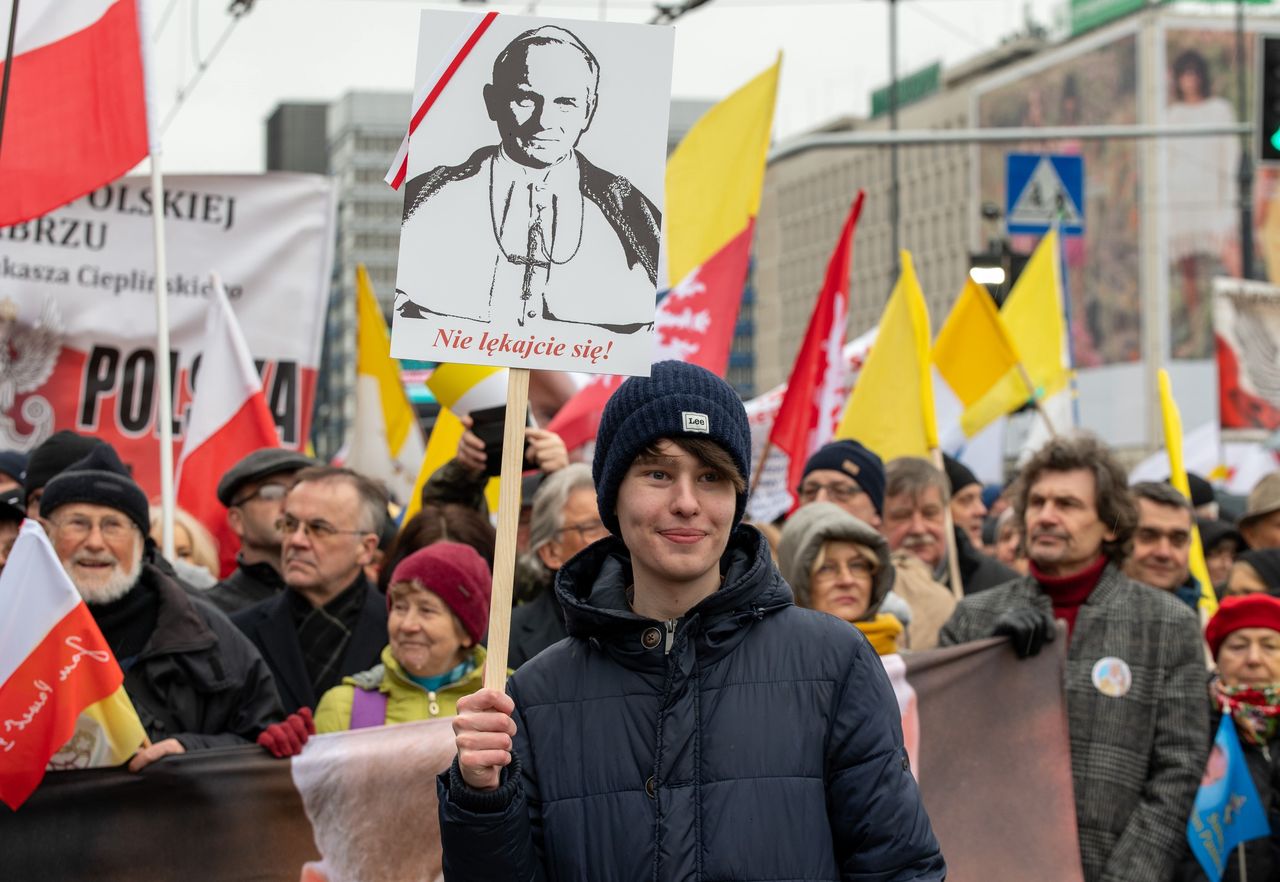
535, 231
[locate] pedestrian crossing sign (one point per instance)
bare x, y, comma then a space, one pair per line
1040, 189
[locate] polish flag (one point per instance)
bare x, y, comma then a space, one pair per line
812, 404
228, 420
77, 112
55, 667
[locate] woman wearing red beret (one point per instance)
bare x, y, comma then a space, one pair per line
437, 613
1244, 637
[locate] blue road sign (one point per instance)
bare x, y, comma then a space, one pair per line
1041, 188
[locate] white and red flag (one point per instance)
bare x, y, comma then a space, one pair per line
55, 666
228, 420
813, 401
77, 111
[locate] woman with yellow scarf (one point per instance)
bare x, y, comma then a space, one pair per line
838, 564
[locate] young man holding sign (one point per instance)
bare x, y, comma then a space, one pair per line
696, 724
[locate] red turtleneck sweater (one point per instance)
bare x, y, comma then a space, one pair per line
1068, 592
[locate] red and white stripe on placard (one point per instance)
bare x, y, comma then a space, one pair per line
77, 114
430, 92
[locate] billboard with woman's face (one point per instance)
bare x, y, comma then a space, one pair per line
1087, 83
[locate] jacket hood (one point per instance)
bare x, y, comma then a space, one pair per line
592, 588
817, 523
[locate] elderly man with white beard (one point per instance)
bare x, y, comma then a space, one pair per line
195, 681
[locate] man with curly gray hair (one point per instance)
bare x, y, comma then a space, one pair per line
1135, 678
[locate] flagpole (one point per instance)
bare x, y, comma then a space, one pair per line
1035, 400
764, 454
953, 550
164, 386
8, 67
1244, 876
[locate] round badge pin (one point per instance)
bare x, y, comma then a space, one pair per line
1112, 677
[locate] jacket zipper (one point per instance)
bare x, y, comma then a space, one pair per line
671, 635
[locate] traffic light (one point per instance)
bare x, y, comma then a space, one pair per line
1268, 131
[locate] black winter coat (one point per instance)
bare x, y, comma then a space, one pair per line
749, 740
248, 584
199, 679
269, 625
535, 626
978, 571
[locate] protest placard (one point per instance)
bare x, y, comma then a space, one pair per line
534, 194
78, 311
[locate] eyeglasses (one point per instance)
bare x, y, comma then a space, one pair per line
588, 532
320, 530
78, 528
809, 491
856, 567
268, 492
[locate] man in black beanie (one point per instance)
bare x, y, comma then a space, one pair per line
195, 681
638, 741
967, 509
847, 474
52, 456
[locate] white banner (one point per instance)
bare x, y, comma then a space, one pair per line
78, 312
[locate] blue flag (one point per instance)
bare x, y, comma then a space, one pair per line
1227, 810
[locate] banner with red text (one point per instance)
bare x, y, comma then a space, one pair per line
987, 736
78, 312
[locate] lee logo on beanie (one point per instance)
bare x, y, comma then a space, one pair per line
696, 422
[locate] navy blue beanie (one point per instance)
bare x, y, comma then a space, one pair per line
676, 400
856, 461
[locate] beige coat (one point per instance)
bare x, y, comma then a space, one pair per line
931, 603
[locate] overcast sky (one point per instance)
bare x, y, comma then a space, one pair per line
835, 52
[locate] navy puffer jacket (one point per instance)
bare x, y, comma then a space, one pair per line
763, 744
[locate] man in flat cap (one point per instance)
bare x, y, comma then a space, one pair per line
253, 492
195, 681
1260, 525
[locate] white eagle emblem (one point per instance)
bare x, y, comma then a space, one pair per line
28, 354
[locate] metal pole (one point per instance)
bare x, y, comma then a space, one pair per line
8, 67
895, 205
164, 382
1140, 131
1246, 161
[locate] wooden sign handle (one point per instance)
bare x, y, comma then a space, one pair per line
504, 554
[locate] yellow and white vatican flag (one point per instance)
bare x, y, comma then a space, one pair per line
460, 389
386, 441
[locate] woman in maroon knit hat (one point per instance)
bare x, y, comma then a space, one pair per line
1244, 637
437, 614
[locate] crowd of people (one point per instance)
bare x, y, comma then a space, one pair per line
730, 667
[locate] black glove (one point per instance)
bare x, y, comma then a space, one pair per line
1029, 630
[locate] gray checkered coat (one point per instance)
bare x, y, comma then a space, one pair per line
1136, 760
